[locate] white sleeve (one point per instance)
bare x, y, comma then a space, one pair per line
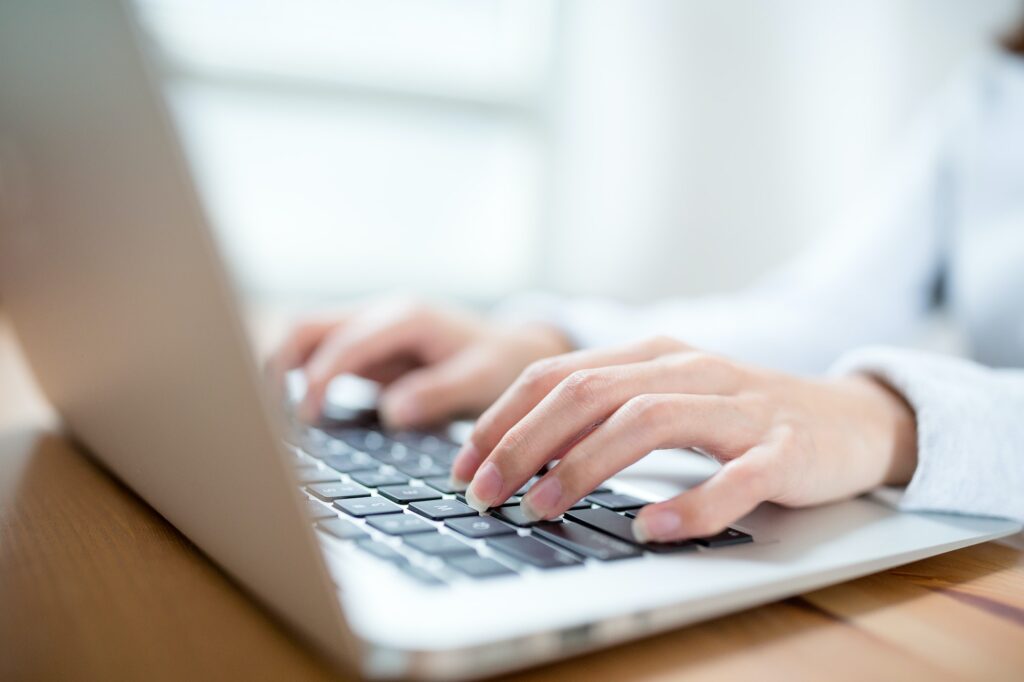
970, 429
872, 281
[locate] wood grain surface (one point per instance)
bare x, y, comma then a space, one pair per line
94, 585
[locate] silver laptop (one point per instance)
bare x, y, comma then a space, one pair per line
347, 533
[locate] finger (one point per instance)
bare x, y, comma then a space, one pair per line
730, 494
388, 371
298, 344
437, 392
645, 423
536, 382
587, 397
364, 342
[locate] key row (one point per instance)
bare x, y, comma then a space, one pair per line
415, 450
357, 502
398, 489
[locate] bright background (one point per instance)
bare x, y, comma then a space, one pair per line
475, 148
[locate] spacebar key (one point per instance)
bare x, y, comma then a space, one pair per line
586, 541
532, 551
621, 527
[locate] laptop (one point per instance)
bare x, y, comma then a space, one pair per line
348, 533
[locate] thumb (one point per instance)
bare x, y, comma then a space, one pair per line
437, 392
708, 508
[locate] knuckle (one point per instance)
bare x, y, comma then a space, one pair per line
514, 441
702, 361
540, 374
786, 437
582, 387
715, 367
649, 412
480, 439
484, 434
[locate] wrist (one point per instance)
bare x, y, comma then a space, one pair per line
898, 423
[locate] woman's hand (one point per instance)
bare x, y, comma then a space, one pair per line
780, 438
434, 362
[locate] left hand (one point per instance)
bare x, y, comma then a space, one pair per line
784, 439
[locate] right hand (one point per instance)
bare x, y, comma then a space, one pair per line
433, 362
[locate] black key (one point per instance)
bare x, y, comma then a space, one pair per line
381, 551
601, 489
421, 467
375, 479
365, 440
315, 510
479, 526
582, 504
510, 502
314, 474
445, 458
367, 506
436, 544
399, 524
513, 515
340, 528
396, 453
585, 541
404, 494
617, 525
352, 461
308, 440
616, 501
532, 551
439, 510
328, 492
729, 536
323, 447
479, 567
441, 483
427, 443
421, 575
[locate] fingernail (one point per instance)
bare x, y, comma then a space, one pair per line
542, 499
485, 487
657, 526
465, 464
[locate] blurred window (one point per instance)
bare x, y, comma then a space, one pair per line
350, 146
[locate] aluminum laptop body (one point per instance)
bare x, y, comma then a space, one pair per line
123, 308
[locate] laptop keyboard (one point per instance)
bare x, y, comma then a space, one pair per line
389, 495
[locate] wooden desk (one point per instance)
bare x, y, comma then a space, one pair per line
94, 585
